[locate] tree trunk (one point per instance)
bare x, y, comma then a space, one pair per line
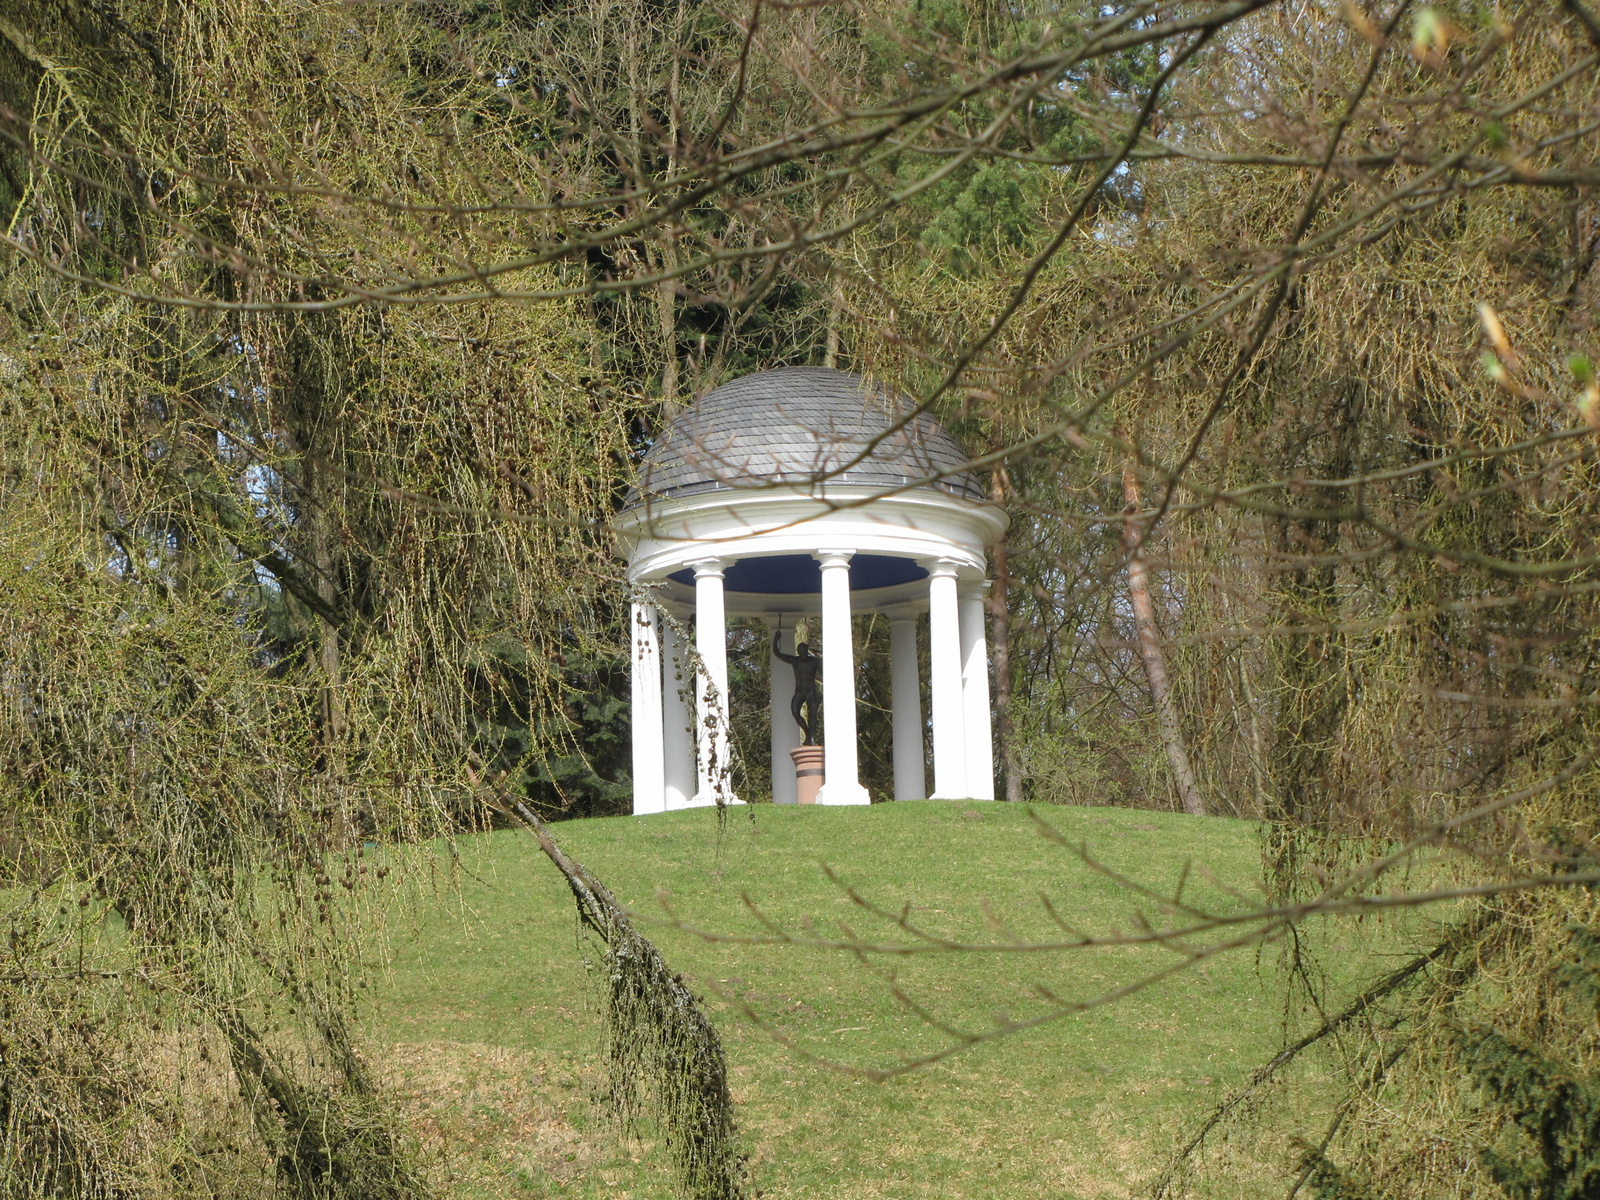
1155, 662
667, 316
1000, 610
322, 540
1312, 688
667, 289
830, 357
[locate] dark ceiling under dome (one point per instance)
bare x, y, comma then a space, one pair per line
800, 574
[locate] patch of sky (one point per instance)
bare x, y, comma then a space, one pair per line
265, 579
118, 564
262, 485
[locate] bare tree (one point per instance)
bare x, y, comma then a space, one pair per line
1168, 719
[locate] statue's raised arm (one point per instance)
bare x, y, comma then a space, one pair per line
788, 658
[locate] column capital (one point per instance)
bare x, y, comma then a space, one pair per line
973, 588
940, 568
706, 567
833, 558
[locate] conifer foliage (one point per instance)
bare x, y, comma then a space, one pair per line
1549, 1148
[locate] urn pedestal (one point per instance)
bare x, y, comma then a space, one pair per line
807, 773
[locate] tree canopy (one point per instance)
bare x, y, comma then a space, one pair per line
329, 336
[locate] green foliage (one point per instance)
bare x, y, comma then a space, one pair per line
70, 1119
986, 213
1323, 1178
1582, 976
662, 1048
977, 219
1549, 1148
577, 764
246, 565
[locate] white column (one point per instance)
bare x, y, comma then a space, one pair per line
905, 703
711, 685
841, 782
678, 721
944, 683
649, 786
785, 733
975, 693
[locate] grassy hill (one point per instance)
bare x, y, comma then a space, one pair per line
493, 1027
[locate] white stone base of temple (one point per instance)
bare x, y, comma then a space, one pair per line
709, 800
843, 793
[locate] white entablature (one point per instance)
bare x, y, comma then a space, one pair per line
806, 492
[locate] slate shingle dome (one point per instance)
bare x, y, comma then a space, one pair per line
796, 425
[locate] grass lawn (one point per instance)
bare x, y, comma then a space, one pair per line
492, 1026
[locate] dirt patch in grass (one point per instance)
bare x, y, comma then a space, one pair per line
497, 1121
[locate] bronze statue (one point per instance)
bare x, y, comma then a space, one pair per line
806, 665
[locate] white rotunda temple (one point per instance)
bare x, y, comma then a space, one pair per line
806, 492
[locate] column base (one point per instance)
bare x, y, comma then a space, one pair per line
941, 796
709, 800
843, 793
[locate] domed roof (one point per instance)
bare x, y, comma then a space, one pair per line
798, 425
